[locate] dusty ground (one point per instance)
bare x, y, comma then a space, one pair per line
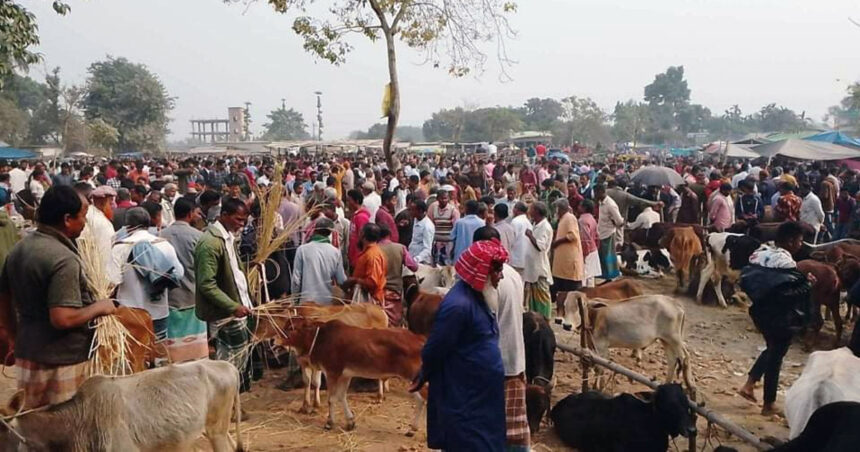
723, 344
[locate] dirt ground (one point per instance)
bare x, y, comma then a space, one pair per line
723, 344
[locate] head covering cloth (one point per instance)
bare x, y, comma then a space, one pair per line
474, 265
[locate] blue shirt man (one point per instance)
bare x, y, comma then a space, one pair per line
465, 227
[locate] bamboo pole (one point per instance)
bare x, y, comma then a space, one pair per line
708, 414
583, 328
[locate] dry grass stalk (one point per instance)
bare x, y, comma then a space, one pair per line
269, 238
109, 351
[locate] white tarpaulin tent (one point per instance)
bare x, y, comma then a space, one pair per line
806, 150
740, 151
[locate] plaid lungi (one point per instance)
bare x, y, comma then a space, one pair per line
186, 336
393, 307
232, 340
608, 259
44, 384
516, 419
538, 296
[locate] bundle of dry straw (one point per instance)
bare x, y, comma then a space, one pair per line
269, 238
109, 352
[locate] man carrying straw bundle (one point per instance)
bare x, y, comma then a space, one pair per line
44, 280
222, 296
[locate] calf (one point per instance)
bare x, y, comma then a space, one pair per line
592, 422
832, 428
644, 263
639, 322
422, 307
650, 238
159, 409
829, 376
728, 253
278, 320
343, 352
825, 292
539, 341
683, 245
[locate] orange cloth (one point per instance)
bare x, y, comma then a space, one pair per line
567, 262
371, 265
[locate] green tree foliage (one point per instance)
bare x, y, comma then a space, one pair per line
410, 134
130, 98
463, 126
445, 125
542, 114
630, 120
102, 135
583, 121
18, 33
13, 123
285, 124
776, 118
846, 115
450, 30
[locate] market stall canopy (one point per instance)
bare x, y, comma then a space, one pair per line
835, 137
741, 151
806, 150
657, 175
15, 153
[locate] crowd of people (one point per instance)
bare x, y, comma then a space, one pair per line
177, 236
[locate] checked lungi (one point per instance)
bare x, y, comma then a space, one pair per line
393, 307
232, 340
49, 385
608, 259
538, 296
516, 419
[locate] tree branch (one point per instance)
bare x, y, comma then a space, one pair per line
383, 22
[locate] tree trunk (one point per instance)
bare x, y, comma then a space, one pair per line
394, 107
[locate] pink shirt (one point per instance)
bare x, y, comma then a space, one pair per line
359, 219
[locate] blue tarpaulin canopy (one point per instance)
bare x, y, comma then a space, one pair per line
835, 137
15, 153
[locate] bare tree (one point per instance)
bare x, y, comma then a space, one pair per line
446, 32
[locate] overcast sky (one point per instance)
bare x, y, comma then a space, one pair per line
211, 56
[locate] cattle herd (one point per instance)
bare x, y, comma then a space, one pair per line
344, 342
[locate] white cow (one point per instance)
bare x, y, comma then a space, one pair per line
719, 258
433, 277
829, 376
638, 322
164, 409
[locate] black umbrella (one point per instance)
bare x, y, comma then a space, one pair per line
657, 175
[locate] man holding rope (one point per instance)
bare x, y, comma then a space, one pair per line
43, 283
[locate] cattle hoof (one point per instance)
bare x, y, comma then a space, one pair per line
410, 433
350, 426
558, 320
306, 410
329, 425
568, 327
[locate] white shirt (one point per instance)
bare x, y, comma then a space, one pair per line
811, 211
510, 318
421, 246
372, 202
131, 289
238, 275
521, 224
17, 179
538, 259
37, 189
610, 219
646, 219
167, 215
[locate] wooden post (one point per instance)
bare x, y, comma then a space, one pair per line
583, 343
711, 416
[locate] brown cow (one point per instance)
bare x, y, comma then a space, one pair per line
825, 292
422, 307
619, 289
343, 352
683, 246
278, 320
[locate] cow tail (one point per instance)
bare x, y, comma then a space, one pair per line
237, 412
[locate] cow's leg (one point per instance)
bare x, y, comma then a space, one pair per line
350, 417
334, 382
217, 424
419, 409
317, 377
380, 396
718, 289
308, 377
706, 275
218, 445
837, 321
